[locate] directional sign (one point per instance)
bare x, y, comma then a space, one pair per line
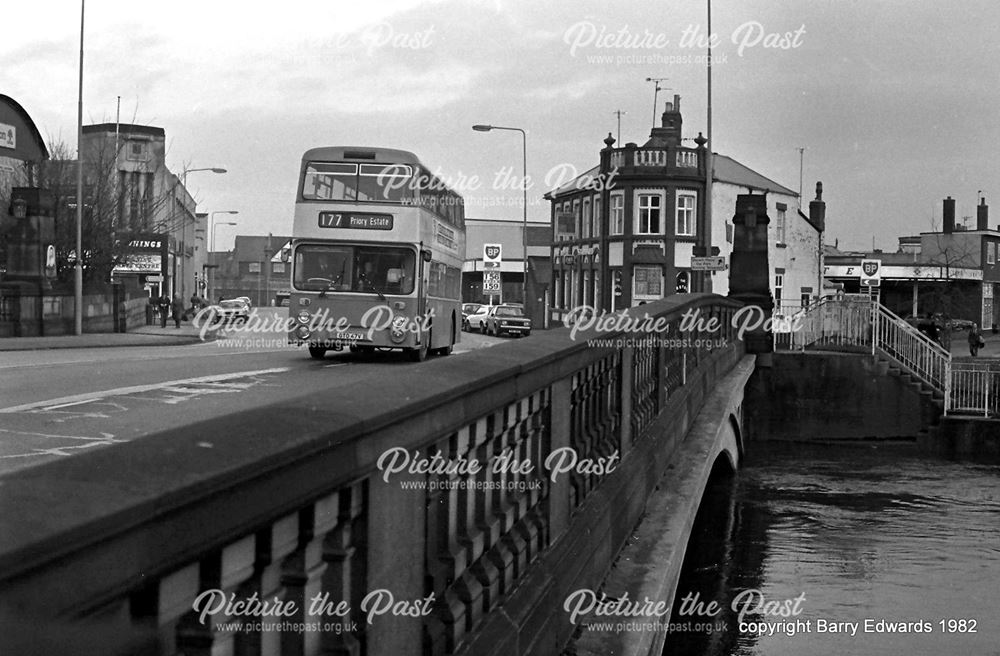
492, 256
871, 273
709, 263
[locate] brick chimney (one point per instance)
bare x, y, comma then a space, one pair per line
948, 215
982, 215
669, 134
817, 209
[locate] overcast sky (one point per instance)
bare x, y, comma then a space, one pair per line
896, 102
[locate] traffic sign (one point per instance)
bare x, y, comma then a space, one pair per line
492, 256
871, 273
154, 278
708, 263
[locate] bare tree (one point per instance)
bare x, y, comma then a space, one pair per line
115, 206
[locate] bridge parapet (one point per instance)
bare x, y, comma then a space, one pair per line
338, 501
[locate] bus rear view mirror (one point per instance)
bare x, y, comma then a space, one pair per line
426, 255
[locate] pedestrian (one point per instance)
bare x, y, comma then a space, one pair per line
178, 308
163, 304
975, 340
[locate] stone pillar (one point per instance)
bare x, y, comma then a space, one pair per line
32, 232
749, 271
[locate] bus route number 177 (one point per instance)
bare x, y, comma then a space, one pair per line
355, 220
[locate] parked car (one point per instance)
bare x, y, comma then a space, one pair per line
477, 319
467, 309
508, 319
234, 311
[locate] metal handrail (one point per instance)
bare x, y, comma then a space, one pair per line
909, 348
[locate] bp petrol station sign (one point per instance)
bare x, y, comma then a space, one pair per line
492, 257
871, 273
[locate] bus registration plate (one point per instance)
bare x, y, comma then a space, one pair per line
355, 220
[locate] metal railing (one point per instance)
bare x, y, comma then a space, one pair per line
858, 322
911, 349
830, 323
973, 388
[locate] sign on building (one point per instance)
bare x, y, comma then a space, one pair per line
871, 273
8, 136
492, 256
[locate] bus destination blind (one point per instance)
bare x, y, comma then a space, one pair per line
355, 220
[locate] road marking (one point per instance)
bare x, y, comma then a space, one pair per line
135, 389
336, 364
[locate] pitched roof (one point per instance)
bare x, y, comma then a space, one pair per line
726, 168
729, 170
574, 184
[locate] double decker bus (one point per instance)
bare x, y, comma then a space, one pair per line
377, 249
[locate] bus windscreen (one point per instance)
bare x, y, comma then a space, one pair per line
349, 268
347, 181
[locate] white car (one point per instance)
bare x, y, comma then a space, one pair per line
477, 320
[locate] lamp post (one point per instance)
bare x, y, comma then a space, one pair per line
211, 218
184, 223
213, 225
78, 270
524, 202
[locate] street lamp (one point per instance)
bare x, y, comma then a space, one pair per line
184, 223
213, 169
213, 225
524, 202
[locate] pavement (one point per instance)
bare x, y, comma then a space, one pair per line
960, 346
141, 336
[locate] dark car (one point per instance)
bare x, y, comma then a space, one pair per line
932, 325
508, 319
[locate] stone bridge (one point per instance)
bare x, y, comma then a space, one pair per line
452, 508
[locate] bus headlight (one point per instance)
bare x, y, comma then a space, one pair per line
303, 332
304, 316
398, 330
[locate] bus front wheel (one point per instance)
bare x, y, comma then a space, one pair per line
317, 352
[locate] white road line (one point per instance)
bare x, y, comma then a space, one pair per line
135, 389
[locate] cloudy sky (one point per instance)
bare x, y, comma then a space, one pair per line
895, 101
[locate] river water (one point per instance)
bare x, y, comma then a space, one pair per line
811, 537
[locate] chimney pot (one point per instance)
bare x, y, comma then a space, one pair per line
948, 215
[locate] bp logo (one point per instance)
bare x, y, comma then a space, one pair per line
492, 252
870, 268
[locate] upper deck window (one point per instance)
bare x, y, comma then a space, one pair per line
344, 181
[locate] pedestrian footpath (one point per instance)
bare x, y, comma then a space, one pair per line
141, 336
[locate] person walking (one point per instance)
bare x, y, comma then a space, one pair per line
178, 307
163, 304
975, 340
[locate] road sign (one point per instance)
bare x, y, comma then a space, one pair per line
492, 256
871, 273
708, 263
154, 278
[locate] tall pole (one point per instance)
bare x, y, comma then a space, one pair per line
524, 230
705, 237
78, 272
524, 202
801, 152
